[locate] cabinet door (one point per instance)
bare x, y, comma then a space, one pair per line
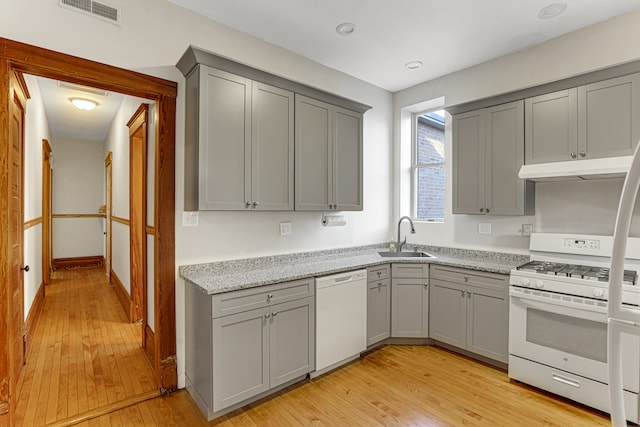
291, 340
504, 155
488, 323
468, 162
608, 114
378, 311
240, 357
272, 140
410, 308
448, 313
313, 153
551, 127
225, 141
347, 160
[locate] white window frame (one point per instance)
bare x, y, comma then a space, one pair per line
415, 167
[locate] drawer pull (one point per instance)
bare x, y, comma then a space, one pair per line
266, 316
269, 296
379, 273
462, 292
565, 380
275, 313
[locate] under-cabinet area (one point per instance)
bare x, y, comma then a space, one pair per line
246, 343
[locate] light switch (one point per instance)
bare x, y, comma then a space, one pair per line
484, 228
190, 219
285, 229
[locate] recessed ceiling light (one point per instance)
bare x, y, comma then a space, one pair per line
346, 29
83, 104
552, 10
413, 65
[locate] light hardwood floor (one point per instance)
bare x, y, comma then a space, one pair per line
84, 354
392, 386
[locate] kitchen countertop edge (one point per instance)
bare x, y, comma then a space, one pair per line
227, 276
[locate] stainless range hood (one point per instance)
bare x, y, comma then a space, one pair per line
577, 170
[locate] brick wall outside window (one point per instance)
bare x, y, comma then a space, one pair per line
430, 180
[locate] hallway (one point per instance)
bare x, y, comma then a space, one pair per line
84, 355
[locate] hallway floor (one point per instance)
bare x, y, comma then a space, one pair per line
84, 354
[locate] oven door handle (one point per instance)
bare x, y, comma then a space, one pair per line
543, 303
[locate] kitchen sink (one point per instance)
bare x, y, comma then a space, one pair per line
405, 255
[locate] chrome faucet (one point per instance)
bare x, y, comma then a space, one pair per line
400, 244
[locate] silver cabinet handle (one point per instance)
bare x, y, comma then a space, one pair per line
255, 205
583, 154
481, 210
486, 210
379, 273
379, 284
247, 205
426, 285
274, 314
468, 294
269, 296
462, 293
573, 155
466, 278
266, 316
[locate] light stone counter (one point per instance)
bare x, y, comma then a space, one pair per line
226, 276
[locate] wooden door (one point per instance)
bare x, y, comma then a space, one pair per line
138, 213
17, 106
46, 212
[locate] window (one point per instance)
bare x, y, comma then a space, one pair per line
428, 166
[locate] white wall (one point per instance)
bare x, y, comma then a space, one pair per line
587, 207
77, 188
36, 129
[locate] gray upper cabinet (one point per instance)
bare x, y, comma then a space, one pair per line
328, 165
488, 151
239, 154
588, 122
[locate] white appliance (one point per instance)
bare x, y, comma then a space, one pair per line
558, 319
623, 319
577, 170
341, 319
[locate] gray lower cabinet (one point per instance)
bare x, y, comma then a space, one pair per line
378, 304
586, 122
410, 300
470, 310
488, 151
242, 344
328, 164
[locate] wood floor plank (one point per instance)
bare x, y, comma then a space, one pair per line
84, 353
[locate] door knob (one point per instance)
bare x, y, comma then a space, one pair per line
25, 268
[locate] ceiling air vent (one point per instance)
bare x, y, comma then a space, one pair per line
93, 8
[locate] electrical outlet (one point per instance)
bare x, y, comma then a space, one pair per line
527, 229
285, 229
484, 228
190, 219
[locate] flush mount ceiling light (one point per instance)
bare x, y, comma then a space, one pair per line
552, 10
346, 29
83, 104
413, 65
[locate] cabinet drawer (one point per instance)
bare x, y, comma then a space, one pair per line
373, 284
493, 281
410, 270
378, 272
250, 299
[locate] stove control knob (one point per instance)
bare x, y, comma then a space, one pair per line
537, 283
598, 293
526, 281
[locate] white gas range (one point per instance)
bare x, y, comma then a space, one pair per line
558, 319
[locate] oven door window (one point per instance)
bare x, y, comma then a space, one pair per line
580, 337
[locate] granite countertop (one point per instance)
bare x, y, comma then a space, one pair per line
226, 276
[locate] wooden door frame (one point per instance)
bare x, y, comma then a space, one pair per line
138, 214
21, 57
108, 191
46, 213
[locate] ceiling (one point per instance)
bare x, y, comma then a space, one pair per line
446, 36
67, 121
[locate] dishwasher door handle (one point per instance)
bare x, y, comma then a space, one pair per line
343, 279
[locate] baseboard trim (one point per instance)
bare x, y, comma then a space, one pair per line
150, 345
76, 262
34, 315
121, 293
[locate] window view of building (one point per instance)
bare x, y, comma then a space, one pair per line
429, 156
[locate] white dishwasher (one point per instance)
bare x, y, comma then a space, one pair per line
341, 319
